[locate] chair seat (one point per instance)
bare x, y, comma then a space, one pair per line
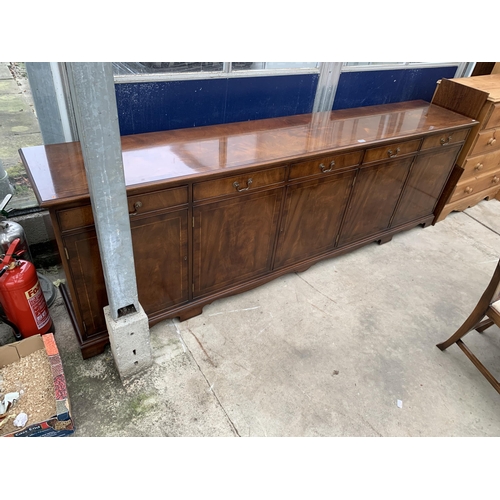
496, 306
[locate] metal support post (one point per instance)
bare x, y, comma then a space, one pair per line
94, 102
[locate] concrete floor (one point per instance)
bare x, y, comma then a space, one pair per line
326, 352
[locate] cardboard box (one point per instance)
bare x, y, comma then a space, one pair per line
61, 423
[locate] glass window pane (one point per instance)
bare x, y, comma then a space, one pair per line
239, 66
372, 63
153, 68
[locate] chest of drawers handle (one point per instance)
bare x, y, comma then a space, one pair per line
495, 180
237, 186
468, 190
479, 166
492, 140
392, 153
445, 141
329, 169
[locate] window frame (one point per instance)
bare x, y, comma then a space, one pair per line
227, 72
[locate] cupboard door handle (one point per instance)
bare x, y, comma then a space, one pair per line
329, 169
237, 186
468, 190
445, 141
137, 205
392, 154
479, 166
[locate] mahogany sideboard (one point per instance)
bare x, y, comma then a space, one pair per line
221, 209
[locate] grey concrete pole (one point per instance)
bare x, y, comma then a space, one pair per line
94, 102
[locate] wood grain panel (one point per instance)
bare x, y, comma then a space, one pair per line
161, 265
234, 240
443, 140
157, 200
312, 216
375, 195
238, 184
425, 183
324, 165
391, 151
73, 218
88, 280
468, 101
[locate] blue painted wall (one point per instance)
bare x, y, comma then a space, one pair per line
153, 106
367, 88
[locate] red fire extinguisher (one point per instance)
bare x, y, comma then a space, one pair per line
22, 297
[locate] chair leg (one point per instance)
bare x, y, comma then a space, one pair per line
479, 312
470, 324
484, 325
487, 375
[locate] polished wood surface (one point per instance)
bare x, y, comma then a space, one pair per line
374, 199
312, 217
219, 210
57, 171
233, 240
424, 185
160, 246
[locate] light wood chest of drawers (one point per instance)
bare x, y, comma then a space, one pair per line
479, 98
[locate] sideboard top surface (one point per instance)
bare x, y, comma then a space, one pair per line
58, 174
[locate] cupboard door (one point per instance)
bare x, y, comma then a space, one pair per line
87, 278
312, 216
425, 183
234, 240
375, 195
160, 246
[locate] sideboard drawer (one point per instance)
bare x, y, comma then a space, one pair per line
157, 200
487, 141
439, 140
391, 151
73, 218
238, 183
324, 165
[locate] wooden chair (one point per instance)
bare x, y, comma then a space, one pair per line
488, 307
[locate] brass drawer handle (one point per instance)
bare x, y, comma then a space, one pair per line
392, 154
468, 190
137, 205
324, 169
479, 166
495, 180
445, 141
237, 186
